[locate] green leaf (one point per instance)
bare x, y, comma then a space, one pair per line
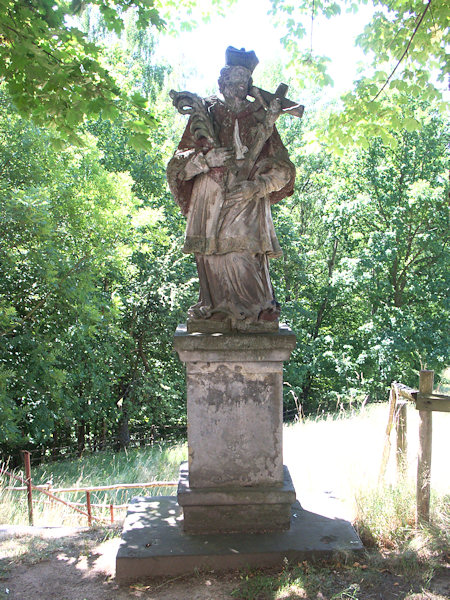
411, 124
139, 100
140, 141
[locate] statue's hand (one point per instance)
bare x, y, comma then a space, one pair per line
242, 191
217, 157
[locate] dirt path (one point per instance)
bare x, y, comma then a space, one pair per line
75, 564
80, 565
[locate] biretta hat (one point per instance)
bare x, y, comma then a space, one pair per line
240, 58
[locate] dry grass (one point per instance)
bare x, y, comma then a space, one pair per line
334, 463
338, 458
156, 463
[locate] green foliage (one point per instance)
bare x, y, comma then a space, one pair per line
62, 215
93, 280
364, 277
405, 45
54, 74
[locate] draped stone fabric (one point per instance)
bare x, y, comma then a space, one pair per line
232, 240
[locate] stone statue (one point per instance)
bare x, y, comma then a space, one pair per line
230, 166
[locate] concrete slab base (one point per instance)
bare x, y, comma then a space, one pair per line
154, 544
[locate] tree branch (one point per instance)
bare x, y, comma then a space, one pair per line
28, 37
404, 53
323, 305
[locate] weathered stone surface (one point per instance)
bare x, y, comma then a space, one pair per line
234, 423
230, 324
234, 406
235, 508
236, 518
213, 347
235, 420
230, 166
154, 544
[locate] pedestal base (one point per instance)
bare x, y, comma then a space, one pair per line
245, 509
154, 544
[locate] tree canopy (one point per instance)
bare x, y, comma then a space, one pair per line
54, 73
407, 56
92, 278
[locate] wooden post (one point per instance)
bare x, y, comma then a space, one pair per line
88, 507
111, 512
402, 442
424, 458
27, 461
387, 439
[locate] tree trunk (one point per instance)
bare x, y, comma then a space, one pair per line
287, 282
55, 443
81, 437
103, 441
124, 431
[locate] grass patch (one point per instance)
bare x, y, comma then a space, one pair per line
370, 576
305, 580
385, 516
385, 519
26, 550
156, 463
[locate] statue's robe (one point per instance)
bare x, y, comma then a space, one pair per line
231, 240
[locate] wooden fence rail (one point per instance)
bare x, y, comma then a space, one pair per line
98, 488
50, 495
50, 492
426, 401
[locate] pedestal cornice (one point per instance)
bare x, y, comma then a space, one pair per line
243, 347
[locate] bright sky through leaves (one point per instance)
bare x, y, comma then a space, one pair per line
200, 53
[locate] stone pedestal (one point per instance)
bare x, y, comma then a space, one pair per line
154, 544
235, 481
235, 504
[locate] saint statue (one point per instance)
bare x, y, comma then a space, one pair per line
228, 169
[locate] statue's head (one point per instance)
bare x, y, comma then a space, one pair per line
236, 77
235, 81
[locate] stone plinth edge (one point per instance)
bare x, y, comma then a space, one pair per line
235, 347
234, 508
239, 494
153, 542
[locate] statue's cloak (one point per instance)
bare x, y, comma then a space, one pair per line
231, 239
